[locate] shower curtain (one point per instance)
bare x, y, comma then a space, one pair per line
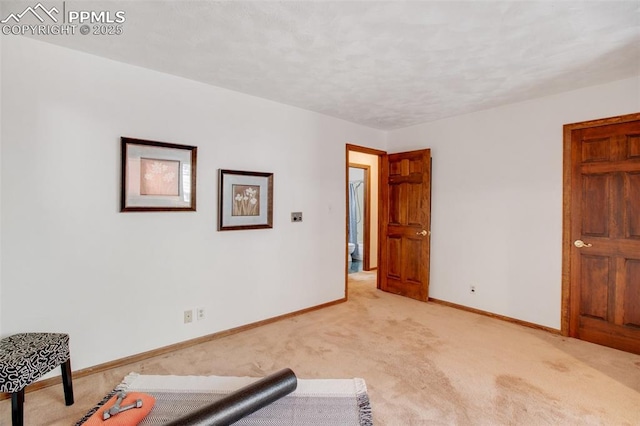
353, 216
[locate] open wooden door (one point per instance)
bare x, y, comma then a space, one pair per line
602, 242
405, 224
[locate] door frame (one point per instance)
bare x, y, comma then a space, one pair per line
365, 150
366, 225
567, 239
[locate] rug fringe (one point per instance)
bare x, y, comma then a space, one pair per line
124, 385
364, 404
96, 407
127, 381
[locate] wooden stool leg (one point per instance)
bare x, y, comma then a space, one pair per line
17, 408
66, 382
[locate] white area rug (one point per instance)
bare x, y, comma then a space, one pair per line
329, 402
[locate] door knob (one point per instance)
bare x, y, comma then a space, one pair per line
423, 233
580, 244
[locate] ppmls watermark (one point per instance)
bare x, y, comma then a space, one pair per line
56, 19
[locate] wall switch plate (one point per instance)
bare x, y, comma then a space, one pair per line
188, 316
296, 217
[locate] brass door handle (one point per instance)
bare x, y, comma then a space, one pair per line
580, 244
423, 233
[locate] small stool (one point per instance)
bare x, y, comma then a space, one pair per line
26, 357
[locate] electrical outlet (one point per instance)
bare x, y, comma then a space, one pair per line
473, 289
200, 314
296, 216
188, 316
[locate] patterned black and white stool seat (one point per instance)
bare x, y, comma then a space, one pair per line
26, 357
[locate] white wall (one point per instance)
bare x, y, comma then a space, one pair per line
372, 161
497, 199
119, 282
0, 188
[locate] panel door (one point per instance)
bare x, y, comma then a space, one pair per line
605, 229
406, 224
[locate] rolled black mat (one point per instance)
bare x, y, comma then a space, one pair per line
242, 402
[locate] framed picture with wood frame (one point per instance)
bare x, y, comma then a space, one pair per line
157, 176
245, 200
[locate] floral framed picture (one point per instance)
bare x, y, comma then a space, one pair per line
245, 200
157, 176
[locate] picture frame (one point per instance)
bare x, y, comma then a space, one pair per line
245, 200
157, 176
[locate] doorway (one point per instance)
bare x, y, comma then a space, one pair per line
601, 235
359, 223
367, 161
400, 224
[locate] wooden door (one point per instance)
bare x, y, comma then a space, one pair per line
605, 234
405, 224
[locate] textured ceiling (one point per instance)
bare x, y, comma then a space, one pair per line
386, 64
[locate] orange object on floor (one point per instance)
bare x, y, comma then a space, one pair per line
125, 418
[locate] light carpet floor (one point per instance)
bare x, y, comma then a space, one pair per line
423, 363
